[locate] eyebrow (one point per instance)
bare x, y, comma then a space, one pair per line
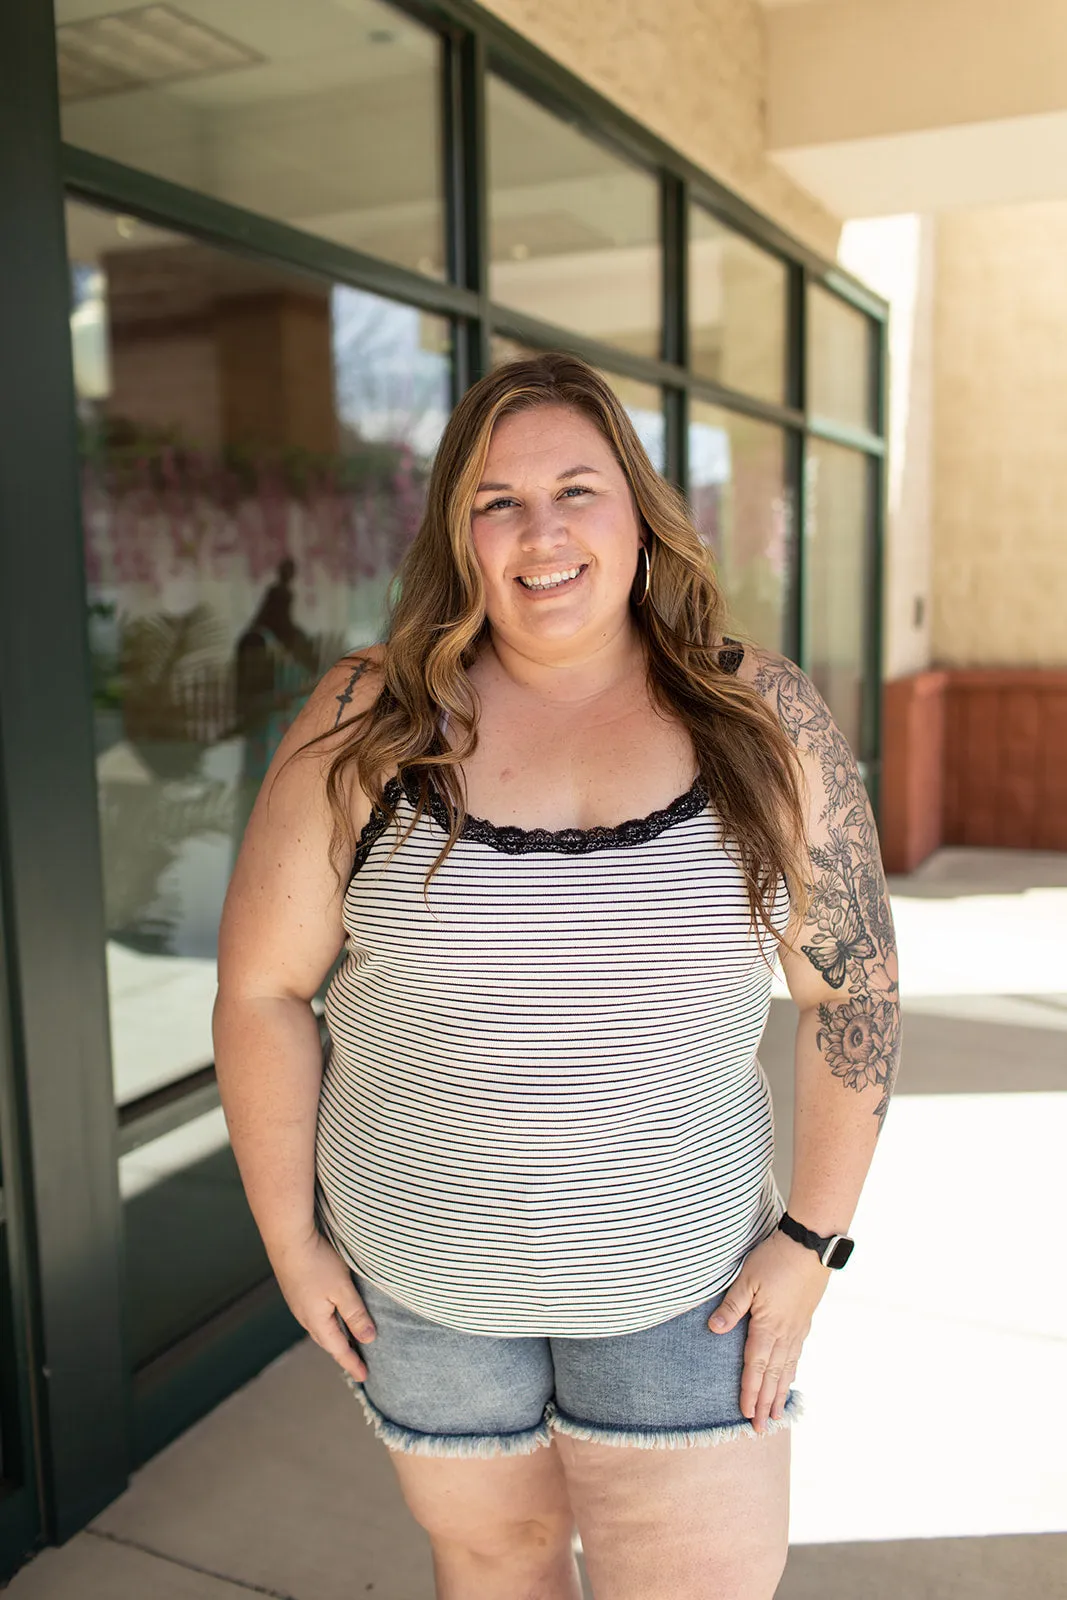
571, 472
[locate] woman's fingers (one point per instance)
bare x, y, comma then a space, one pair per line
785, 1383
769, 1369
354, 1314
759, 1350
330, 1334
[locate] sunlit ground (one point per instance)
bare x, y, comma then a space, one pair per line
936, 1371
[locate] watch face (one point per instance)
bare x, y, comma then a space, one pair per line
841, 1252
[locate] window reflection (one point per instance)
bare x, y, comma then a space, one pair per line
573, 230
742, 507
190, 1245
255, 450
840, 356
326, 114
737, 309
837, 483
643, 401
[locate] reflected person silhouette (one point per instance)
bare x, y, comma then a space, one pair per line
275, 669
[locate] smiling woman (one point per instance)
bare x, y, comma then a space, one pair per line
537, 1164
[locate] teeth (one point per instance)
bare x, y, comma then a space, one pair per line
548, 580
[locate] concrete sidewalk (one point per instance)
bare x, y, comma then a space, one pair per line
930, 1464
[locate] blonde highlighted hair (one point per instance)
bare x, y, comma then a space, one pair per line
438, 621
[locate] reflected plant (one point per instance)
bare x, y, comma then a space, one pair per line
143, 826
168, 508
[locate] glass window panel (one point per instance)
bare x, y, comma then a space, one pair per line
738, 298
836, 577
573, 229
840, 352
643, 401
255, 448
191, 1246
325, 115
742, 507
644, 407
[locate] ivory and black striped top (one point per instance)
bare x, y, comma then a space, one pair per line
542, 1111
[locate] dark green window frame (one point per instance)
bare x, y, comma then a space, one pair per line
79, 1446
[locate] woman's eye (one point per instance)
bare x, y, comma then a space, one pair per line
577, 488
494, 505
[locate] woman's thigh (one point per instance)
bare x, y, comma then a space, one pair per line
464, 1417
681, 1524
675, 1495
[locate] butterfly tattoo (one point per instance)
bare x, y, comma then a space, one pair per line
834, 947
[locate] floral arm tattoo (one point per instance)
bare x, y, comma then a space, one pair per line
848, 934
345, 697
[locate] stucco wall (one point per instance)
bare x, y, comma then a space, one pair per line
1000, 461
895, 255
694, 71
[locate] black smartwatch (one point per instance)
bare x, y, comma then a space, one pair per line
832, 1251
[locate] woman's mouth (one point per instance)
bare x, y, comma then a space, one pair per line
551, 582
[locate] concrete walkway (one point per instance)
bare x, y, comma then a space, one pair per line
930, 1464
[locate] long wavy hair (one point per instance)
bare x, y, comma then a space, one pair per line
438, 622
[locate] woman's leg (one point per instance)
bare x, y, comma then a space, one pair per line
501, 1527
709, 1522
464, 1418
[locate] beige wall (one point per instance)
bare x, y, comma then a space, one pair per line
694, 71
1000, 396
895, 255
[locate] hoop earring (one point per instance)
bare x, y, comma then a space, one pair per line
648, 576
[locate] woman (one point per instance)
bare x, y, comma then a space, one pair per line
528, 1205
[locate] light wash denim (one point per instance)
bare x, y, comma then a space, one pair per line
435, 1391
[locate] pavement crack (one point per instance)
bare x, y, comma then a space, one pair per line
190, 1566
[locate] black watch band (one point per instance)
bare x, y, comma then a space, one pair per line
833, 1251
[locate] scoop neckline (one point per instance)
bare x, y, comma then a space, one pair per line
512, 840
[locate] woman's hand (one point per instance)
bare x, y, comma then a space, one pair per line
318, 1290
779, 1285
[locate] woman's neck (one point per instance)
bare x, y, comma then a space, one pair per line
565, 679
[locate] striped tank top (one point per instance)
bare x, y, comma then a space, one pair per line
542, 1112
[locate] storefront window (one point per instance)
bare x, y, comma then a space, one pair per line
574, 234
738, 296
737, 489
643, 401
840, 352
837, 520
255, 448
325, 115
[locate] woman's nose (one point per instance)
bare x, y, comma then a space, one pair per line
545, 523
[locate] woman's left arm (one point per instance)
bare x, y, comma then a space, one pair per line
842, 972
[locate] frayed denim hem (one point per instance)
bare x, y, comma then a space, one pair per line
413, 1443
672, 1438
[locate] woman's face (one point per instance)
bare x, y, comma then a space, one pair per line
555, 531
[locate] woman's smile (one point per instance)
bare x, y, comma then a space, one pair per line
562, 578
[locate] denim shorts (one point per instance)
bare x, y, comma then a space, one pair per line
435, 1391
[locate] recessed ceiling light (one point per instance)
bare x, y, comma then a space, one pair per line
132, 49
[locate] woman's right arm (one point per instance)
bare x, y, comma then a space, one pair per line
281, 932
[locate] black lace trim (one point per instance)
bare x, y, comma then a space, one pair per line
375, 826
566, 841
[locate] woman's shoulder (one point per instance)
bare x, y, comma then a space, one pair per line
349, 688
786, 689
354, 683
